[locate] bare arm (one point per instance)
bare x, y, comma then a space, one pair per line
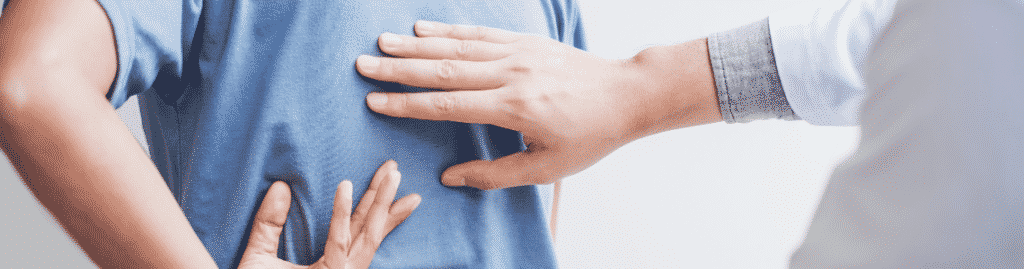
57, 61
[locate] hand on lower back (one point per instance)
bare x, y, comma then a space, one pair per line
352, 239
572, 107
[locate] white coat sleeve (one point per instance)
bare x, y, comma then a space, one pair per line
820, 51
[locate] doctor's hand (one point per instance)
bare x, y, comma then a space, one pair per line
572, 107
352, 239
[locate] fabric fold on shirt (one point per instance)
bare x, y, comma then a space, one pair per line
746, 76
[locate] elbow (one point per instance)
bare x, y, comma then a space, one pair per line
14, 94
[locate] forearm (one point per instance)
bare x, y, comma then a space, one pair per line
83, 166
67, 144
730, 76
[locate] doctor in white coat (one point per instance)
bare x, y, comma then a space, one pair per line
936, 86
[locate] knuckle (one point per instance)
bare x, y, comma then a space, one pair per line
515, 106
519, 67
386, 69
268, 223
444, 104
509, 108
479, 32
445, 70
486, 185
480, 182
519, 108
419, 48
398, 105
463, 49
527, 104
449, 30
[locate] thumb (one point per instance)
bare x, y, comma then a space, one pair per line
269, 221
522, 168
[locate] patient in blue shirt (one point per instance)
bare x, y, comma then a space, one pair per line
236, 95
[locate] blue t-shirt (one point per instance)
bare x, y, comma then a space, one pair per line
238, 94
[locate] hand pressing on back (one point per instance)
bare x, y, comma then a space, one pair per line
353, 238
572, 107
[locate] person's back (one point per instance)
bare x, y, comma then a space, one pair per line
245, 93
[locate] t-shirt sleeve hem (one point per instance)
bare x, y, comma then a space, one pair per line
124, 40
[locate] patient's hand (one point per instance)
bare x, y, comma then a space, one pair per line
352, 239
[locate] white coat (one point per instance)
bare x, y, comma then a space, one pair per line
937, 87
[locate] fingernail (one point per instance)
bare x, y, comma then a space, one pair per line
453, 181
416, 201
390, 40
426, 27
367, 64
377, 101
346, 187
396, 176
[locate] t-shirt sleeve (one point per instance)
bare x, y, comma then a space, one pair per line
148, 36
570, 24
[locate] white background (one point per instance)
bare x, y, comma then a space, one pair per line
715, 196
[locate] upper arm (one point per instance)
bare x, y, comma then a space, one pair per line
56, 48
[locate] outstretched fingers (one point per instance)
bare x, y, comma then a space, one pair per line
379, 215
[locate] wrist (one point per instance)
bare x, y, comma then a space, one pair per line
673, 87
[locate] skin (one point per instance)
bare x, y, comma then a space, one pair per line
572, 107
57, 62
72, 151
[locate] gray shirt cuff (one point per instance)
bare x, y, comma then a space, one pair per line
746, 77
